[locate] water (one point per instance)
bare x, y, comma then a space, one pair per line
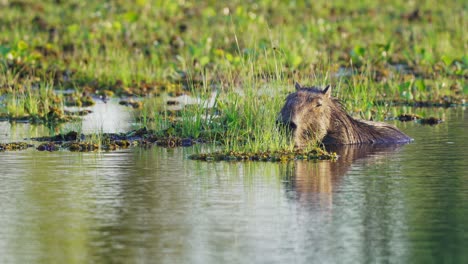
400, 204
106, 117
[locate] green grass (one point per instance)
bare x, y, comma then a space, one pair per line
375, 54
153, 40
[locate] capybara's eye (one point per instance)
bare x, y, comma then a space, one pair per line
292, 125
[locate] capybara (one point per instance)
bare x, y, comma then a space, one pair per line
313, 115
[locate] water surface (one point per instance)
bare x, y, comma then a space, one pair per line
397, 204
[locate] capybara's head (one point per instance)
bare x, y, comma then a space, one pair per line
306, 113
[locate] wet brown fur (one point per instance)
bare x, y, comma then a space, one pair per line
314, 116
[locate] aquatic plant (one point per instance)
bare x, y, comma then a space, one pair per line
376, 55
14, 146
273, 156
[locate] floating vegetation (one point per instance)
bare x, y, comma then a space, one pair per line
172, 142
81, 146
14, 146
80, 100
70, 136
57, 115
84, 146
50, 118
78, 113
74, 141
49, 146
441, 102
132, 103
424, 121
430, 121
118, 144
275, 156
408, 117
4, 117
172, 102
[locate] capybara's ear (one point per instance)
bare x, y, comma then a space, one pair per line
327, 91
297, 85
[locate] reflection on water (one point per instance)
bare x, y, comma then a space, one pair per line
17, 132
107, 117
375, 204
316, 182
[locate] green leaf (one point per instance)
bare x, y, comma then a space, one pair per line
73, 28
448, 61
360, 51
208, 12
204, 60
4, 50
22, 45
295, 60
420, 85
117, 25
141, 2
465, 60
407, 95
131, 17
404, 86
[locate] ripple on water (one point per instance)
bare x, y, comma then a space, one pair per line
135, 205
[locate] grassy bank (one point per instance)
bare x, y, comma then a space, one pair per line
239, 58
